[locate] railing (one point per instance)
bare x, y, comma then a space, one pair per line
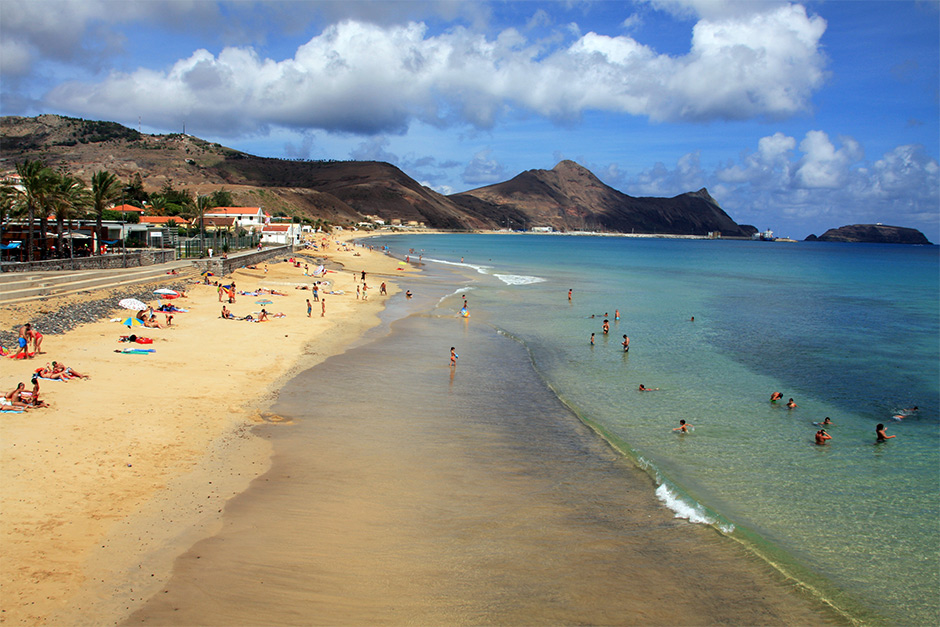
197, 248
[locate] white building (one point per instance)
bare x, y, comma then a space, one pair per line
249, 218
282, 234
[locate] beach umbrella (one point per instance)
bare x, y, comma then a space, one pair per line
207, 273
264, 302
131, 322
132, 303
166, 291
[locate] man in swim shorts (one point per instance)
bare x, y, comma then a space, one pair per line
821, 437
683, 427
23, 340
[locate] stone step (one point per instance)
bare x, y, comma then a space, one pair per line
35, 286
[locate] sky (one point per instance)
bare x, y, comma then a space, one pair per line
797, 117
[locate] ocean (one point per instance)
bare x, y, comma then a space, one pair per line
849, 331
534, 483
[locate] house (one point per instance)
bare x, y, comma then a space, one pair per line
163, 220
127, 209
282, 234
217, 223
249, 218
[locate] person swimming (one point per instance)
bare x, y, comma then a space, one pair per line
683, 427
776, 396
880, 434
643, 388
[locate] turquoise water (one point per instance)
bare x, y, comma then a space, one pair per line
849, 331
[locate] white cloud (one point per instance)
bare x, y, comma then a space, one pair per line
823, 182
367, 79
484, 171
374, 149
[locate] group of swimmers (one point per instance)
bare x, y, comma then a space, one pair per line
822, 436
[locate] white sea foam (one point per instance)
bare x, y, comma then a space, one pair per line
477, 267
693, 512
518, 279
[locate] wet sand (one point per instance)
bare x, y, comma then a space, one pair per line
406, 492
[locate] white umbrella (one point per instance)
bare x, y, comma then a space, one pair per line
166, 291
133, 304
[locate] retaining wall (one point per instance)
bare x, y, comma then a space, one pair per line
133, 259
220, 267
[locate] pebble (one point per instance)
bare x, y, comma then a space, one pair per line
68, 317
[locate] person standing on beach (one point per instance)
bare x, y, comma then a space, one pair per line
626, 344
357, 292
309, 308
316, 292
23, 340
363, 276
382, 290
453, 356
880, 434
323, 308
365, 290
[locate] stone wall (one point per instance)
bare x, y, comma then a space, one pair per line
136, 257
220, 267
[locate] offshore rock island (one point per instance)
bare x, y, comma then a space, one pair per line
873, 234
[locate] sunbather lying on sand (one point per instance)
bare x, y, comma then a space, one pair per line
64, 372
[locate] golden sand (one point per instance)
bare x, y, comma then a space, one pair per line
126, 469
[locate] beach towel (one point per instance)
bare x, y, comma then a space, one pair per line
136, 351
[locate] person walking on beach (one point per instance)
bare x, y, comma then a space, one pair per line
683, 427
880, 434
357, 292
453, 356
323, 308
626, 344
363, 276
382, 290
821, 437
309, 308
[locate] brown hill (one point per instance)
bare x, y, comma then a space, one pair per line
567, 197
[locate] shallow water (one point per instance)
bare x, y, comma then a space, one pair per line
849, 331
405, 491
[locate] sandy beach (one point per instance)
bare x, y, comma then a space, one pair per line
124, 470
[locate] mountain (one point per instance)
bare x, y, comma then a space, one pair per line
872, 234
568, 197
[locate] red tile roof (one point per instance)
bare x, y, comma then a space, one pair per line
127, 208
162, 219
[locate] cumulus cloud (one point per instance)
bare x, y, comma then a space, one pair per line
374, 149
482, 170
370, 79
826, 181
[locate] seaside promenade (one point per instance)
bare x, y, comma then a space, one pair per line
101, 490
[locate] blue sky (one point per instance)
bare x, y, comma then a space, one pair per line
796, 117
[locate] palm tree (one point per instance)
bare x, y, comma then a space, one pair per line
105, 189
68, 198
37, 180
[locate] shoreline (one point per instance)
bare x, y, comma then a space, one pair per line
102, 490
